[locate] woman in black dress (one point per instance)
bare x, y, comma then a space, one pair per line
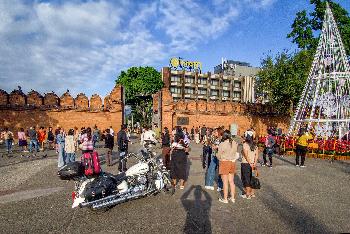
178, 163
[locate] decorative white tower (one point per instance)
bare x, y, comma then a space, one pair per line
324, 105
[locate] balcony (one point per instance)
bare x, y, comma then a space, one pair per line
176, 95
190, 84
176, 83
214, 97
176, 72
190, 96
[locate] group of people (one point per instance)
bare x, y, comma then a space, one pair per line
36, 139
220, 152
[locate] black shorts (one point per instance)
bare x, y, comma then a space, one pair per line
246, 174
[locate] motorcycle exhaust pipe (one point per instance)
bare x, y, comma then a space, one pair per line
110, 200
115, 202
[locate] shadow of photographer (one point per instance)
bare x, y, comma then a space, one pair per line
198, 210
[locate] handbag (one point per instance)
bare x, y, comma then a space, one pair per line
255, 182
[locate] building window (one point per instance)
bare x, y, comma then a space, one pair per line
237, 84
189, 79
214, 82
189, 91
202, 91
175, 79
202, 81
175, 90
214, 92
176, 99
237, 95
226, 93
226, 83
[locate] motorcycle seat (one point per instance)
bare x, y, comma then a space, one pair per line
118, 178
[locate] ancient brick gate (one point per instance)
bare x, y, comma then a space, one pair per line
212, 114
20, 110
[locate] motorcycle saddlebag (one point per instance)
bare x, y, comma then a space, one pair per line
71, 170
100, 187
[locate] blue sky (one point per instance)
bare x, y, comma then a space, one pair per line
83, 45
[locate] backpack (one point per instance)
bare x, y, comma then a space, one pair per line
91, 163
270, 142
10, 136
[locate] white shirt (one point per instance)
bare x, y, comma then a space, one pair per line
111, 131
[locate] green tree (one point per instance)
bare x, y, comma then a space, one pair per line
282, 78
306, 29
139, 84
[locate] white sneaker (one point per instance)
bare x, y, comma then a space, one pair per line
302, 166
219, 189
232, 200
209, 187
297, 165
244, 196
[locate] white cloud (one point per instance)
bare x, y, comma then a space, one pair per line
80, 46
83, 45
189, 22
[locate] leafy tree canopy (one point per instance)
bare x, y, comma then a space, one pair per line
282, 78
139, 84
306, 28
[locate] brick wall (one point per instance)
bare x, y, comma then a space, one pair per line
214, 114
16, 119
65, 112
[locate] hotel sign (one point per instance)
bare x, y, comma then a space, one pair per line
180, 64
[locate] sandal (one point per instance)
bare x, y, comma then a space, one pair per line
223, 200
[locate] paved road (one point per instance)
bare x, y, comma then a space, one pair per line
292, 200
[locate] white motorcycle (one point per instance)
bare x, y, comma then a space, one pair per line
148, 176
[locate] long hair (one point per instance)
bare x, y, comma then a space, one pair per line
71, 132
220, 131
226, 136
249, 140
88, 133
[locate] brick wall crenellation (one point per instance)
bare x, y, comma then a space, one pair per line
34, 100
23, 111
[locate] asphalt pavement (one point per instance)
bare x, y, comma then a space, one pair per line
314, 199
